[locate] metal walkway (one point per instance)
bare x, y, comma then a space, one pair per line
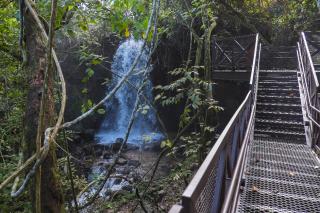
266, 158
282, 173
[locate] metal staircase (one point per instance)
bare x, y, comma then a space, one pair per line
266, 159
282, 173
279, 113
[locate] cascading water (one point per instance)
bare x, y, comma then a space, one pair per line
119, 109
118, 113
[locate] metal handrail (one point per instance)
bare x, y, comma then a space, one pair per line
228, 53
310, 59
254, 61
300, 64
233, 192
310, 86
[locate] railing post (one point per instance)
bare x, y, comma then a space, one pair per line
214, 52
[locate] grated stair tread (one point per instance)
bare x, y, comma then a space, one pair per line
278, 89
277, 77
279, 121
289, 133
279, 113
279, 97
280, 177
279, 104
277, 83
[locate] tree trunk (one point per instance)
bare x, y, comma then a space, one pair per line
51, 193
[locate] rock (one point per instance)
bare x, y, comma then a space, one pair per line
117, 145
106, 155
117, 181
77, 138
194, 166
99, 149
152, 146
101, 163
128, 188
134, 163
119, 140
122, 161
98, 152
87, 149
132, 147
161, 192
88, 134
123, 170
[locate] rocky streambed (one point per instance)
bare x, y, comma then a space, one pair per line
134, 166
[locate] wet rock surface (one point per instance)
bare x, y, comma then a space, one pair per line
131, 167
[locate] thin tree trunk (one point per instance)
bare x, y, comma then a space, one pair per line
51, 193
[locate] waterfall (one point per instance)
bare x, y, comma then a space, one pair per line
119, 109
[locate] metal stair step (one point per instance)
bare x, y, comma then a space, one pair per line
289, 176
282, 147
279, 104
279, 127
278, 83
276, 155
295, 166
254, 208
278, 114
269, 80
283, 188
286, 107
281, 71
276, 77
278, 91
280, 131
291, 136
278, 121
273, 202
278, 99
278, 86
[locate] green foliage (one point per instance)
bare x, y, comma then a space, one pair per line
7, 203
129, 16
9, 28
86, 106
192, 90
283, 18
12, 99
78, 179
189, 86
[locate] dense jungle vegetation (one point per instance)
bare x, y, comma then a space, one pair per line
40, 123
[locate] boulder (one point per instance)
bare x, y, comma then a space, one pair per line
134, 163
122, 161
117, 144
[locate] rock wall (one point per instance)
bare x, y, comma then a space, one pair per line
74, 72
